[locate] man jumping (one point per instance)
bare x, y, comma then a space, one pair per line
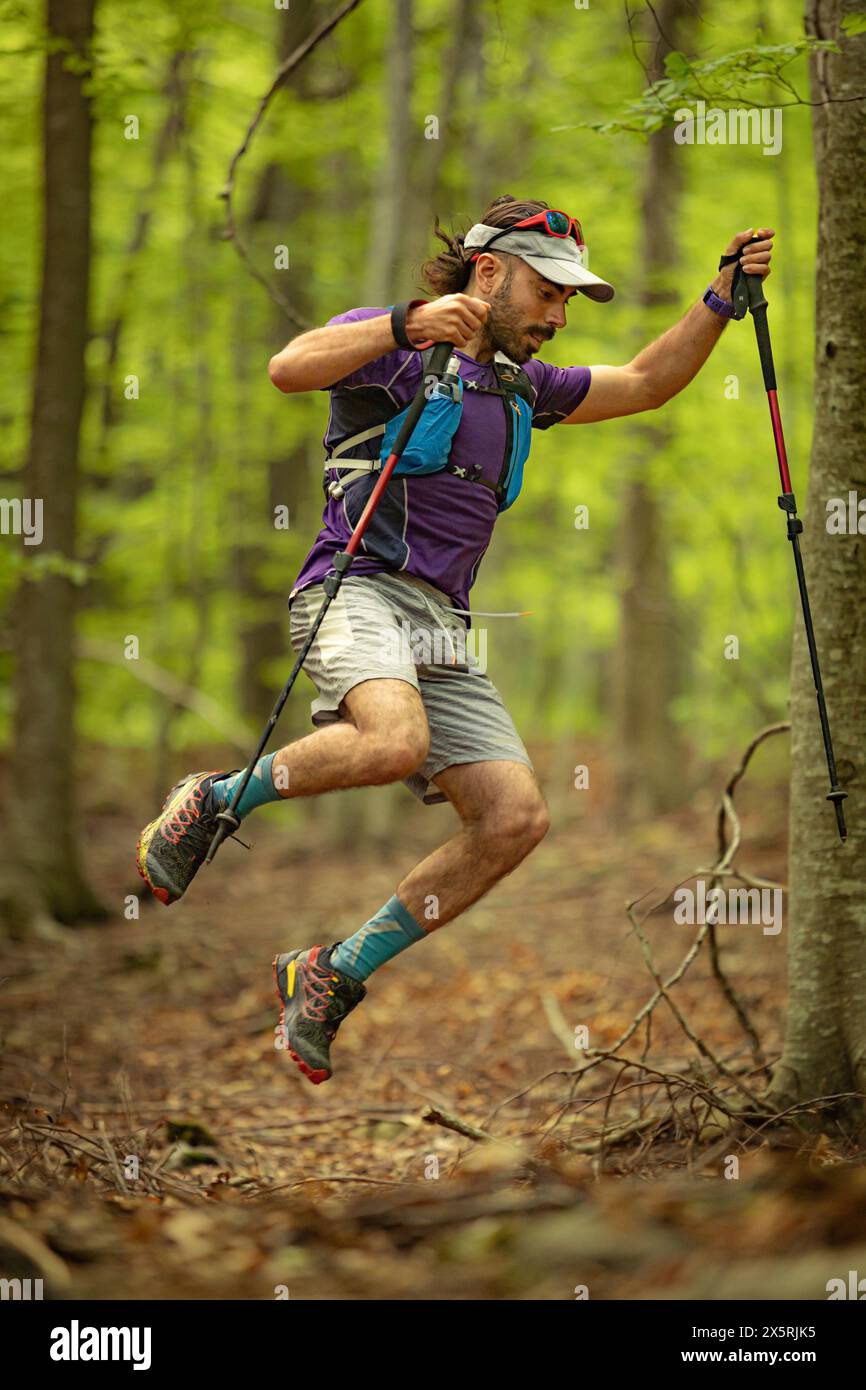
383, 713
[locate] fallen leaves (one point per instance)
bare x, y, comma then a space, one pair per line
248, 1178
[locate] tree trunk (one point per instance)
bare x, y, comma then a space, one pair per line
280, 205
43, 826
825, 1042
649, 773
457, 117
176, 92
392, 197
490, 169
204, 454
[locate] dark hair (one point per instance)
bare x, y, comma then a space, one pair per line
450, 271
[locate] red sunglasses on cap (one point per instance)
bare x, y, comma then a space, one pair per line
551, 221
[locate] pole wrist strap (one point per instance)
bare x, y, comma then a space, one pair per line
739, 289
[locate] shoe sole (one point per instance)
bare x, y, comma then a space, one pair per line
315, 1074
163, 895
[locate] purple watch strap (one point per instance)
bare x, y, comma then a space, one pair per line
722, 307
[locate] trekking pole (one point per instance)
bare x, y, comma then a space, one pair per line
748, 295
228, 821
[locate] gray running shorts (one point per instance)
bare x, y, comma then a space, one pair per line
398, 627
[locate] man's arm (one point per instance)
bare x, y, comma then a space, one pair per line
324, 355
664, 367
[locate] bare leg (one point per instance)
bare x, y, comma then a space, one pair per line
383, 737
504, 817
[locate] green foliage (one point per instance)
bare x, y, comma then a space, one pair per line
179, 482
727, 81
37, 565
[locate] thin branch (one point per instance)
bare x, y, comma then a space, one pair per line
230, 231
448, 1120
558, 1024
723, 867
334, 1177
629, 19
112, 1158
167, 684
729, 833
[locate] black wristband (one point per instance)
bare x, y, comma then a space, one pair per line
399, 314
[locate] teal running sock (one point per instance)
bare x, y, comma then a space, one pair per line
260, 789
387, 933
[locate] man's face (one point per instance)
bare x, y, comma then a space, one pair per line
526, 310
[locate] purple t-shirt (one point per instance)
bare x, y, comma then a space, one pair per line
436, 526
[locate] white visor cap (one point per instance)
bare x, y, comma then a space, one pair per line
559, 259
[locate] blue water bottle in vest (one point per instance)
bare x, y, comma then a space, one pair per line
430, 444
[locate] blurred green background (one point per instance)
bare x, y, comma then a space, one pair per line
178, 545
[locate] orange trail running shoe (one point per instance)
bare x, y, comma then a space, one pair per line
314, 1000
172, 847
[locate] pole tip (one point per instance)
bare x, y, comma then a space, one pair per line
837, 797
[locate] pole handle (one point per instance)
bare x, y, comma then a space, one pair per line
751, 291
747, 295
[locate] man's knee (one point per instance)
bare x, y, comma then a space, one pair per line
516, 827
400, 753
391, 719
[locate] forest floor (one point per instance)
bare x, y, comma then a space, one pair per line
154, 1142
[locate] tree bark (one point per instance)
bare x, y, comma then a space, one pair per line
176, 92
204, 454
391, 202
280, 205
649, 774
433, 192
825, 1042
48, 877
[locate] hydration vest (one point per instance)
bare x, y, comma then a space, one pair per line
429, 449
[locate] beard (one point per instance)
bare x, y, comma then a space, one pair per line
506, 328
